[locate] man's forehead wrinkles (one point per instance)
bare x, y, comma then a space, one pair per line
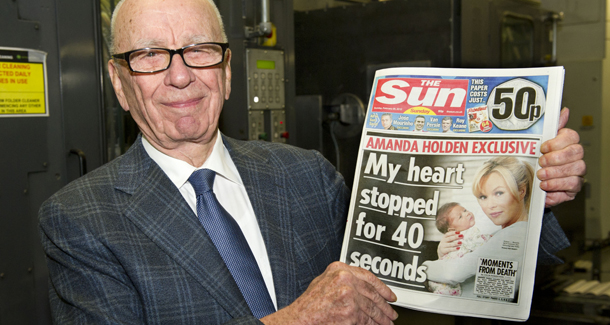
141, 43
170, 30
160, 43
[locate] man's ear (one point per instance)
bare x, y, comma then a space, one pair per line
117, 84
228, 74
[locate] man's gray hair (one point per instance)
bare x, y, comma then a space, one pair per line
120, 4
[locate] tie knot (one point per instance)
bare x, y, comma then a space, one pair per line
202, 180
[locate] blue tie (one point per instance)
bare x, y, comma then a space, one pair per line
231, 244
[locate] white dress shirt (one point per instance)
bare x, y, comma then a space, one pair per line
229, 190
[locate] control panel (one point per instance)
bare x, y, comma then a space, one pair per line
267, 125
278, 126
256, 126
265, 71
266, 95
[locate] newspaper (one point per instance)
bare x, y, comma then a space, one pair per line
460, 145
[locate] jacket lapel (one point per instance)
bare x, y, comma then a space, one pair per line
266, 188
159, 210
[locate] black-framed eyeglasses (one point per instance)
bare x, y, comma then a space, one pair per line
149, 60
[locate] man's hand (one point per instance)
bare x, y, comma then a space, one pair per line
562, 165
343, 294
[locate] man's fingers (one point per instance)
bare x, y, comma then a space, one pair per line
343, 294
564, 116
574, 169
561, 189
377, 287
571, 184
372, 294
377, 309
562, 164
554, 198
565, 137
376, 295
564, 156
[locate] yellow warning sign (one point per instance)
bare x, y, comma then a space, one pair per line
22, 85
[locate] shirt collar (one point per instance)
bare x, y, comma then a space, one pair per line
179, 171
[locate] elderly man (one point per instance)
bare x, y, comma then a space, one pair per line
192, 227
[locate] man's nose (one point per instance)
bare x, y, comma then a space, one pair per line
179, 75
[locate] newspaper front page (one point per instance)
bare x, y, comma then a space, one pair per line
453, 153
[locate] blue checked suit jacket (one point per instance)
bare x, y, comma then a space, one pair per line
123, 247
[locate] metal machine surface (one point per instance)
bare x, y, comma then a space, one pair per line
43, 153
338, 49
261, 106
